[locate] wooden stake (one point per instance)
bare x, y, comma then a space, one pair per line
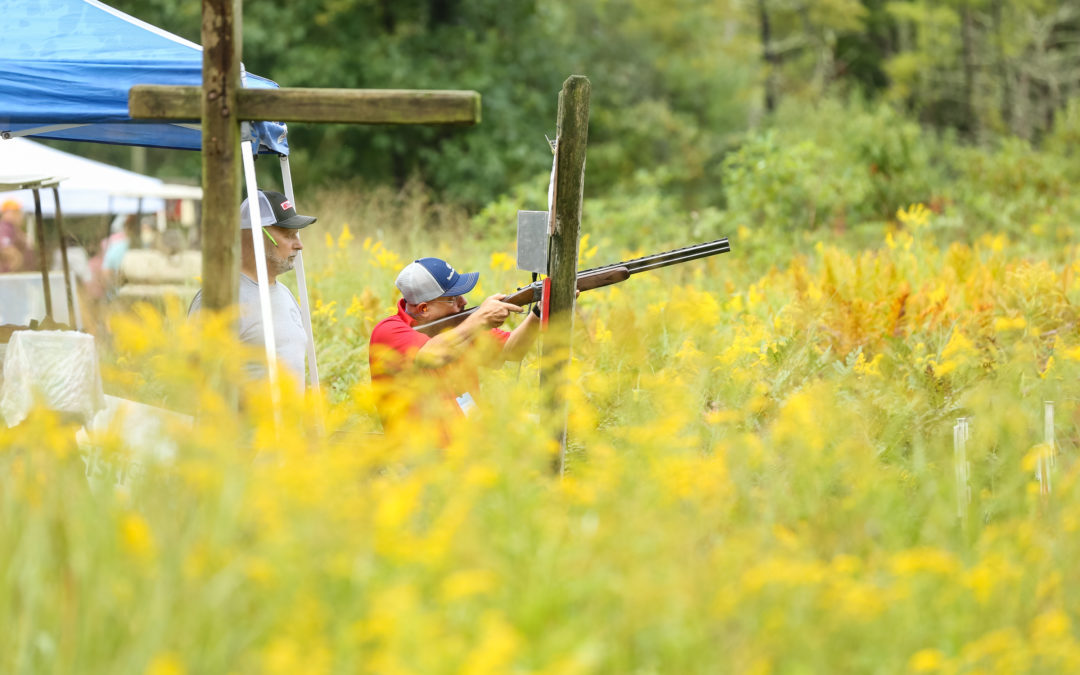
573, 136
221, 37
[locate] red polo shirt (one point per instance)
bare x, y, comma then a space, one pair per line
391, 354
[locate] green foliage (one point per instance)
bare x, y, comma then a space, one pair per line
661, 80
1013, 188
813, 171
792, 186
677, 120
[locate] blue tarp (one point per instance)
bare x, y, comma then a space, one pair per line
71, 62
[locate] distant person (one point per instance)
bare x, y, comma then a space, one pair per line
15, 251
436, 376
281, 230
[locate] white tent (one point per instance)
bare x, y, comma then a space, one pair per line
69, 67
88, 187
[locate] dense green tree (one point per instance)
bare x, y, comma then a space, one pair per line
676, 85
667, 83
986, 67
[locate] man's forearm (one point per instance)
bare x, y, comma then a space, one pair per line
521, 338
448, 345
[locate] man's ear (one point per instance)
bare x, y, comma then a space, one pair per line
422, 308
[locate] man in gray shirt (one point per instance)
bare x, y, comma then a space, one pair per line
281, 226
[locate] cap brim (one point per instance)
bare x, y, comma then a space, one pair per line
465, 283
296, 222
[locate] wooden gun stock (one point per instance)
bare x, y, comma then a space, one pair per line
529, 294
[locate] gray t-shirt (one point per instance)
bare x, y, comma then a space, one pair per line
290, 340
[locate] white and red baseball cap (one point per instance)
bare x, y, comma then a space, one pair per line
274, 209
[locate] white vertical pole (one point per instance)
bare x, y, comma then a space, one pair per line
260, 271
1046, 461
1048, 431
301, 284
961, 467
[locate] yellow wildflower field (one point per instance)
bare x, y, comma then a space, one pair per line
761, 478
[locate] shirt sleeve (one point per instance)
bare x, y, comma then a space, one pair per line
393, 346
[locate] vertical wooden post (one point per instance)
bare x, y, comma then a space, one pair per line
61, 240
573, 135
221, 38
43, 253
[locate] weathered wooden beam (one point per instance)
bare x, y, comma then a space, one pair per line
216, 106
355, 106
61, 240
573, 135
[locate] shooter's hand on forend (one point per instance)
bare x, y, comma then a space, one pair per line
492, 312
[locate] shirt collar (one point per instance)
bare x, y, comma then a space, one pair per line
403, 315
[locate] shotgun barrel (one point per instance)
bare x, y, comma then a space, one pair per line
525, 295
596, 277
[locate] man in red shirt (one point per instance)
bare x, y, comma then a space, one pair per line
406, 363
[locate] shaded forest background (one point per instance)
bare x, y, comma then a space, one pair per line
793, 112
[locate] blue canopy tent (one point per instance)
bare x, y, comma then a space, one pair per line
66, 67
65, 70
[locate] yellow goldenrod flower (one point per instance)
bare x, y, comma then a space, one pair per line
345, 237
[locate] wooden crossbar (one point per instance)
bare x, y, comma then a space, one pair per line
298, 104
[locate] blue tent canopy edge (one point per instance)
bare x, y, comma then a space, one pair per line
66, 67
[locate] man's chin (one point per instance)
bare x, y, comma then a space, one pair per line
283, 266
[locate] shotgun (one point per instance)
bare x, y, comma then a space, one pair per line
593, 278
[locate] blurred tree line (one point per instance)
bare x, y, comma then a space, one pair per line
680, 88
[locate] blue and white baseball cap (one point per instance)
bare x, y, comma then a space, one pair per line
429, 278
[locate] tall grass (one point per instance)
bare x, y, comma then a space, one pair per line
761, 479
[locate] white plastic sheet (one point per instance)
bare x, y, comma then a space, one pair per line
56, 369
146, 436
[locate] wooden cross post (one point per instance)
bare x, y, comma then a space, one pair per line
222, 104
572, 135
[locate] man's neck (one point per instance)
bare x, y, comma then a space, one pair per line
251, 273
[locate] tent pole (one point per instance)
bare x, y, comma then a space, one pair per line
72, 321
301, 283
134, 231
43, 263
246, 151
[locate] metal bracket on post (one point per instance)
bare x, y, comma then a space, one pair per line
532, 241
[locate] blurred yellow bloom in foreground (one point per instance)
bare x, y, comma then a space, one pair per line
926, 661
136, 537
166, 664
